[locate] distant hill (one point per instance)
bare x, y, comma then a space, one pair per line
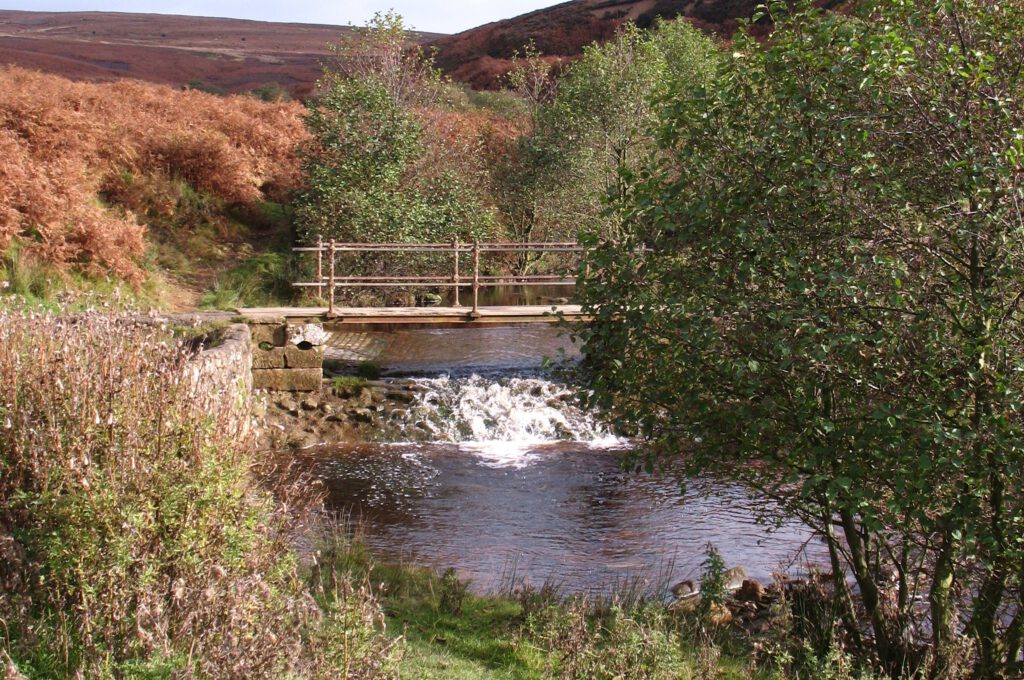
482, 56
230, 54
235, 55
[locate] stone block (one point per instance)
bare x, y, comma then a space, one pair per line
274, 358
273, 334
287, 379
296, 357
264, 320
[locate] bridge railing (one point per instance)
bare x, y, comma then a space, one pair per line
327, 276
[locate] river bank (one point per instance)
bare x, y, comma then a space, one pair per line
191, 502
450, 633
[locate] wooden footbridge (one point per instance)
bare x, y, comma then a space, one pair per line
460, 278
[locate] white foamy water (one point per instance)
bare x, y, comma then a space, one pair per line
503, 420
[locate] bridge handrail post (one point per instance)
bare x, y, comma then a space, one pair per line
455, 247
476, 276
330, 294
320, 267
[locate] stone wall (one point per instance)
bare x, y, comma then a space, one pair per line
228, 366
281, 365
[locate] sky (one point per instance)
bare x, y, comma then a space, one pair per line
436, 16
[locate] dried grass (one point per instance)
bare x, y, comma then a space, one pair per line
135, 538
66, 148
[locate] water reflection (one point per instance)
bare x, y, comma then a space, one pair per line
570, 516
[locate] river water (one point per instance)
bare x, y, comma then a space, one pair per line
498, 472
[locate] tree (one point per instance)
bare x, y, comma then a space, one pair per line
381, 52
365, 175
817, 289
598, 121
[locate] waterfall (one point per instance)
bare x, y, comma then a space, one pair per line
503, 418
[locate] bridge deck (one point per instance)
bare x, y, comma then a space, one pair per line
423, 316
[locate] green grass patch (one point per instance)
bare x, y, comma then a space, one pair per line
261, 280
452, 634
348, 383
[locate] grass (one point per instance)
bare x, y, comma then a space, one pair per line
452, 634
261, 280
22, 276
138, 537
26, 280
347, 384
481, 641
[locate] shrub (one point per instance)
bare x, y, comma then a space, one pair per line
639, 643
70, 150
133, 535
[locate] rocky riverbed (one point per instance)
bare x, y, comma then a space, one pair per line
344, 410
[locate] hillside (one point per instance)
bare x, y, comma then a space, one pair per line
184, 195
230, 54
137, 182
482, 56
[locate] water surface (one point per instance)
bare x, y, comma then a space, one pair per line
498, 471
561, 512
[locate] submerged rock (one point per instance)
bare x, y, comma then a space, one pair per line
361, 415
751, 591
426, 426
684, 589
401, 396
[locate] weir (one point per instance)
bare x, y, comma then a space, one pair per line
488, 460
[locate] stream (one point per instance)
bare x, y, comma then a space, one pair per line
498, 472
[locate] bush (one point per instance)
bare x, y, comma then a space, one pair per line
133, 535
70, 151
817, 290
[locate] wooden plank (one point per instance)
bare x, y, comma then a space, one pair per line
423, 315
507, 310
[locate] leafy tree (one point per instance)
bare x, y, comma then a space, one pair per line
381, 53
362, 143
554, 186
533, 78
365, 179
817, 289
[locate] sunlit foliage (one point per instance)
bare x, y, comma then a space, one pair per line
70, 154
817, 290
